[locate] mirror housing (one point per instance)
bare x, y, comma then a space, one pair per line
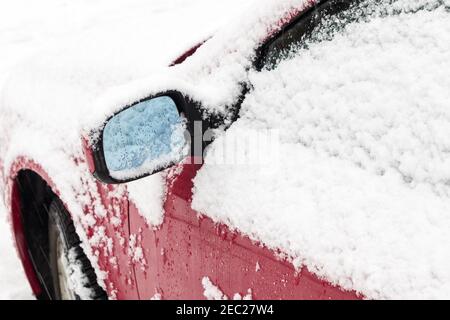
146, 137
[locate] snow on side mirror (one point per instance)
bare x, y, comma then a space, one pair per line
142, 139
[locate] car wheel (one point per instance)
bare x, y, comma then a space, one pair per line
72, 273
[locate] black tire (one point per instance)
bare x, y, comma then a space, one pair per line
62, 237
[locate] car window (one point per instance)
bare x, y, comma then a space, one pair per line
357, 158
328, 18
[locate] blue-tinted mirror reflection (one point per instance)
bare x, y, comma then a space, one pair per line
144, 138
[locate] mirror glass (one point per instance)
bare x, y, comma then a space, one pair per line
144, 139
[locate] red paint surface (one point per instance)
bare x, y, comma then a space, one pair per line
188, 248
187, 54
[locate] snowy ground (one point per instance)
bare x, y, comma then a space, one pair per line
13, 284
19, 38
399, 196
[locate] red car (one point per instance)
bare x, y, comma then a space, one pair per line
88, 239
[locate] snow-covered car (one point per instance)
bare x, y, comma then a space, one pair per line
301, 152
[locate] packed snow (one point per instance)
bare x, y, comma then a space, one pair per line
213, 292
77, 280
148, 196
360, 192
247, 296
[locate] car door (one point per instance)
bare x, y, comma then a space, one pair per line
170, 263
189, 253
323, 82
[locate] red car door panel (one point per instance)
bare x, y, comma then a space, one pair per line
189, 247
112, 248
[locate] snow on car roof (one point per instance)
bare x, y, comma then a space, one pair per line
215, 73
355, 185
91, 48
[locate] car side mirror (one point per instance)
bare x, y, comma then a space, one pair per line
143, 138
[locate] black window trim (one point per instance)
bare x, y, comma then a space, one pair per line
262, 51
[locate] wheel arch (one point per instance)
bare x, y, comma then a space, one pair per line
28, 195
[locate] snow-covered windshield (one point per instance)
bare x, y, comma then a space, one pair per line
327, 19
359, 190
